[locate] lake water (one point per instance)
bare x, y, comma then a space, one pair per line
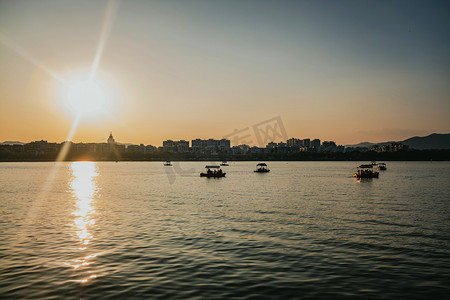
139, 230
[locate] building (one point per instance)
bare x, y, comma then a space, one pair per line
256, 150
168, 146
182, 146
111, 140
41, 147
392, 147
210, 145
306, 143
282, 148
12, 147
150, 148
136, 148
176, 146
292, 142
271, 145
328, 146
198, 145
315, 144
241, 149
224, 145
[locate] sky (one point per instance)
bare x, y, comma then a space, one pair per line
347, 71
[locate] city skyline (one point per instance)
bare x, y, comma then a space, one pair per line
112, 140
284, 139
348, 71
112, 149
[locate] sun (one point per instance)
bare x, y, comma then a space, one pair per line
85, 97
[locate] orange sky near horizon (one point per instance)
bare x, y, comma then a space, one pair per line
348, 72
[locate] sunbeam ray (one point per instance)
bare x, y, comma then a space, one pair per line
41, 198
108, 19
8, 42
66, 146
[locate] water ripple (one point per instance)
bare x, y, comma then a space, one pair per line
308, 230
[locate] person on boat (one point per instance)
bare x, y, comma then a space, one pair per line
208, 172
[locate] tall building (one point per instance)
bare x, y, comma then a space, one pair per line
315, 144
198, 145
182, 146
224, 145
328, 144
293, 142
168, 145
111, 139
306, 143
210, 145
176, 146
271, 145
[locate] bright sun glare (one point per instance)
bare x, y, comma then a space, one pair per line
85, 97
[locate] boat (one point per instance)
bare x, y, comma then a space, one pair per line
365, 171
215, 173
168, 163
382, 167
224, 163
261, 168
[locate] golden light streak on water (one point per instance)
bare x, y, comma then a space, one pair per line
84, 188
47, 186
109, 15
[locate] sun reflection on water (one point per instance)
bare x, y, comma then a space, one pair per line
84, 188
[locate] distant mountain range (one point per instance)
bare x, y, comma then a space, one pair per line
432, 141
12, 143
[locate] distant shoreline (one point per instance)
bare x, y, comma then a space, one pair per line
412, 155
209, 161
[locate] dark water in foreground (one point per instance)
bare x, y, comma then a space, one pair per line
89, 230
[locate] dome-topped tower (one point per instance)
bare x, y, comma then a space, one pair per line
111, 139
